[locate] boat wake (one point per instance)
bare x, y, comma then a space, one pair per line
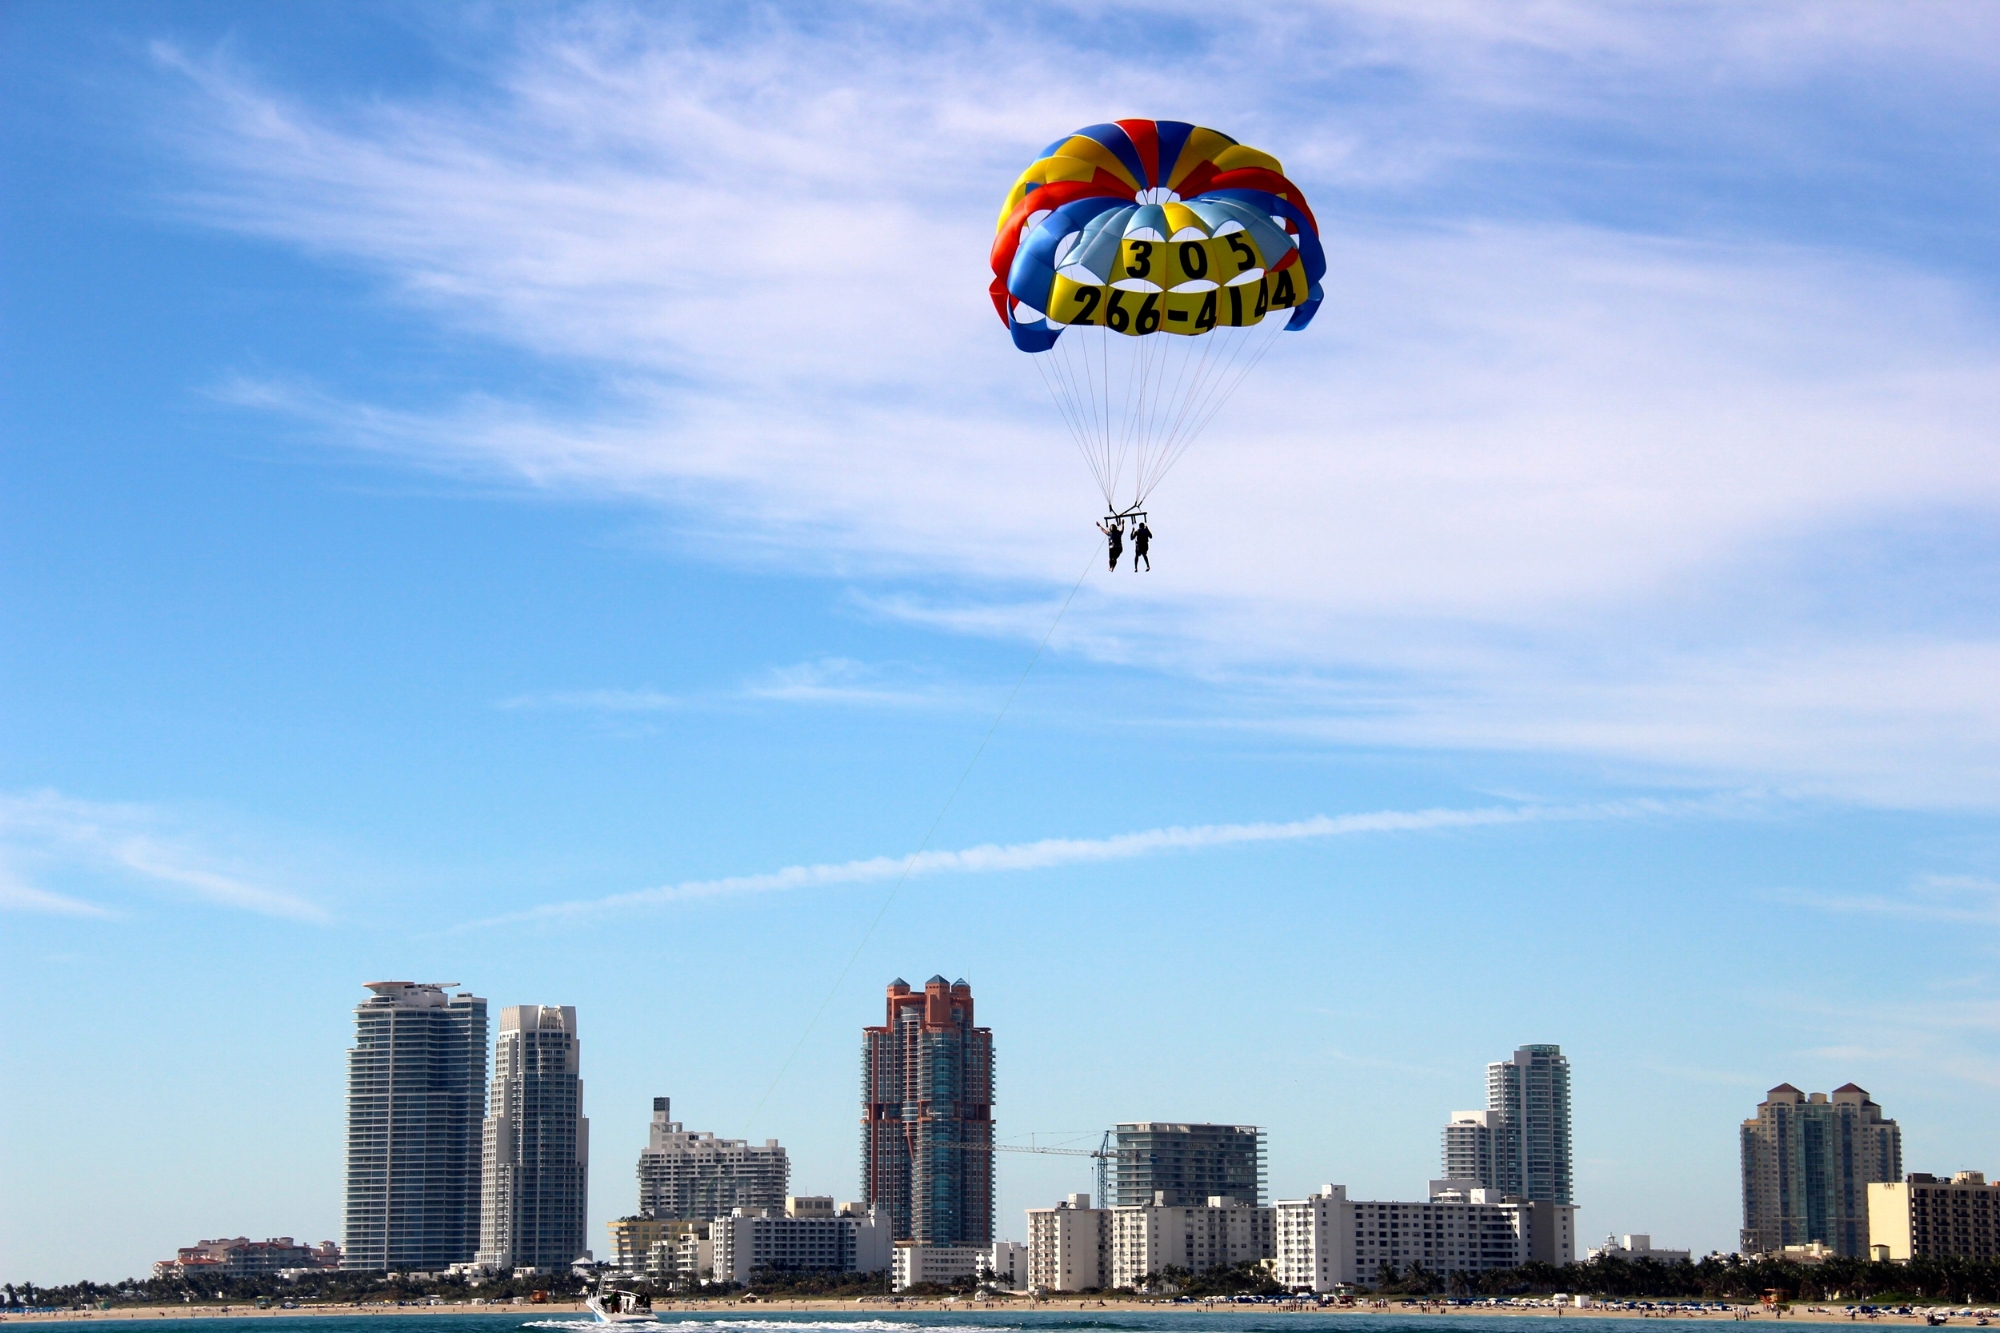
694, 1321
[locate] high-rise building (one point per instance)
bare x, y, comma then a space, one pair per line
698, 1177
1531, 1152
536, 1171
416, 1094
927, 1116
1469, 1142
1807, 1165
1182, 1164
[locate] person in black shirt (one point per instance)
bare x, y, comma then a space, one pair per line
1114, 538
1142, 537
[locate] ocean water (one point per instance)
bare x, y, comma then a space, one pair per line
1240, 1319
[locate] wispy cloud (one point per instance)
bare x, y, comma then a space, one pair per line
598, 701
1049, 853
17, 895
1545, 484
837, 681
1951, 899
133, 843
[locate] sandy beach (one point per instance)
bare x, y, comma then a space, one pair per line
879, 1306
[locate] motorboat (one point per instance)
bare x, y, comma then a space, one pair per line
611, 1306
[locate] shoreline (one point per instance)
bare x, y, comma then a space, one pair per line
878, 1306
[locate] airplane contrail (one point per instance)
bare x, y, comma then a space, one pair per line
1050, 852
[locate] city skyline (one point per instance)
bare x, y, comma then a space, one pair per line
427, 553
417, 1034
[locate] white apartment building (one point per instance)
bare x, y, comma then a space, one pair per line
696, 1177
686, 1253
916, 1262
1009, 1263
751, 1240
1309, 1238
1470, 1143
1223, 1232
1069, 1246
1329, 1240
1074, 1247
913, 1262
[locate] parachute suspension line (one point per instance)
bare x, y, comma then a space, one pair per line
1154, 406
1094, 405
1132, 438
1227, 388
1066, 404
910, 862
1144, 401
1213, 390
1150, 476
1072, 389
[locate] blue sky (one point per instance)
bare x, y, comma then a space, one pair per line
536, 497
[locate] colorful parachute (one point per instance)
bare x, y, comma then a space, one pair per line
1141, 227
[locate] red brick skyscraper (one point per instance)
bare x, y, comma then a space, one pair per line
927, 1116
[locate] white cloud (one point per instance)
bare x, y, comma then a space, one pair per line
17, 895
825, 680
1535, 485
599, 701
1948, 899
1049, 853
132, 843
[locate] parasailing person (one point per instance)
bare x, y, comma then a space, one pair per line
1114, 540
1142, 537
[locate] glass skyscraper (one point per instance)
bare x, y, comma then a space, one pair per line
927, 1116
1531, 1152
416, 1094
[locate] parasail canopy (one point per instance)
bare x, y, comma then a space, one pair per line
1135, 228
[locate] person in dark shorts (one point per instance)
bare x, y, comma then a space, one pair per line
1142, 537
1114, 539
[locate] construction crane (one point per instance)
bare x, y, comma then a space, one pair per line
1103, 1152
